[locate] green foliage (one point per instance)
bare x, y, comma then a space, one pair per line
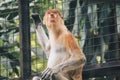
1, 42
37, 64
34, 43
9, 37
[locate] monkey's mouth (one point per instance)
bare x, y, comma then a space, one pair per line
52, 20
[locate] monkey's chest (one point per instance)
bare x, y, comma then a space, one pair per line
57, 55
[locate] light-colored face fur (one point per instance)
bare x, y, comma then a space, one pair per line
52, 17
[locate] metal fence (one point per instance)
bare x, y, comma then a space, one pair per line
9, 40
94, 23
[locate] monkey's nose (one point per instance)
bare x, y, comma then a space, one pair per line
52, 15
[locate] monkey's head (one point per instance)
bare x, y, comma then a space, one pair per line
52, 17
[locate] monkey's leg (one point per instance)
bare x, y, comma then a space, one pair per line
56, 77
59, 76
49, 74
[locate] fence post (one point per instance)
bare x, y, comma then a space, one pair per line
25, 49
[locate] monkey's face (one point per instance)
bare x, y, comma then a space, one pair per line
52, 17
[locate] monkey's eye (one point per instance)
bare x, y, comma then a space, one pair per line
55, 12
48, 13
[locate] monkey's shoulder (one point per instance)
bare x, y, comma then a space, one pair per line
68, 40
65, 36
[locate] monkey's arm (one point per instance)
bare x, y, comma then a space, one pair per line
72, 63
76, 60
41, 35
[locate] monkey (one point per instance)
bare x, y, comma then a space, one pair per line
65, 58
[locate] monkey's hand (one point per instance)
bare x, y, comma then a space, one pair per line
48, 74
36, 19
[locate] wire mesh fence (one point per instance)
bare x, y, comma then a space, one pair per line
94, 23
9, 40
